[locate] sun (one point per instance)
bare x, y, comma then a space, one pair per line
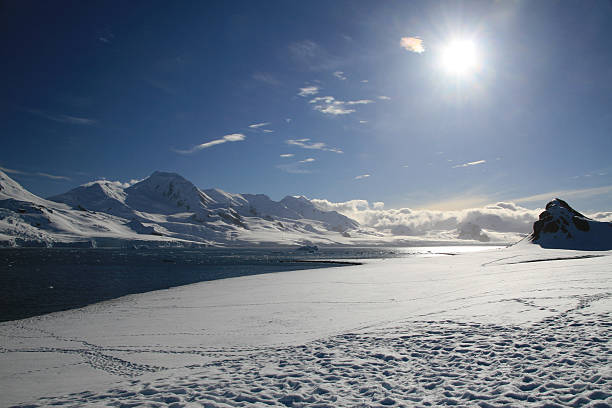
460, 57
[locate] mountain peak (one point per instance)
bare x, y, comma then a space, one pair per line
166, 193
166, 175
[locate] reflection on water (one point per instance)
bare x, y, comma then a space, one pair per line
41, 280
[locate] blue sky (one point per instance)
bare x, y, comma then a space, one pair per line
317, 98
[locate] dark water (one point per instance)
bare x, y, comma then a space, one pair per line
36, 281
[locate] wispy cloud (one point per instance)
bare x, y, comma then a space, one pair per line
13, 171
309, 90
364, 81
286, 155
258, 125
37, 174
161, 85
309, 55
297, 167
584, 192
106, 39
268, 131
307, 144
413, 44
363, 121
340, 75
384, 98
362, 176
266, 78
234, 137
474, 163
331, 106
106, 36
73, 120
51, 176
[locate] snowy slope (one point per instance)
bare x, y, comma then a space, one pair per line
162, 209
560, 226
521, 327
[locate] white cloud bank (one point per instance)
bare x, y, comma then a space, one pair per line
503, 217
234, 137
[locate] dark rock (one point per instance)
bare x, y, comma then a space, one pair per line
551, 227
581, 223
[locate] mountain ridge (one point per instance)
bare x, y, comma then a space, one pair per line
163, 209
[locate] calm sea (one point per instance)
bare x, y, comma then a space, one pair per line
37, 281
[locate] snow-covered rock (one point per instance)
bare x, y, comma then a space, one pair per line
560, 226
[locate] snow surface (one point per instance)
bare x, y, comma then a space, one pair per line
520, 326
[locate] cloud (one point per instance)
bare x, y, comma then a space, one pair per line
234, 137
362, 176
52, 176
161, 85
306, 144
285, 155
360, 102
364, 81
296, 167
115, 183
311, 56
363, 121
258, 125
339, 75
331, 106
13, 171
474, 163
309, 90
36, 174
268, 131
384, 98
602, 216
585, 192
105, 36
72, 120
266, 78
413, 44
503, 217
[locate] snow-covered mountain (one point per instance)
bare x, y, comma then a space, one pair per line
163, 209
560, 226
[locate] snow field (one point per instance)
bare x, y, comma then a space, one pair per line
520, 326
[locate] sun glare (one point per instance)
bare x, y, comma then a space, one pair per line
460, 57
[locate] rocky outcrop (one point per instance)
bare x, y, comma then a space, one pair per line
560, 226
